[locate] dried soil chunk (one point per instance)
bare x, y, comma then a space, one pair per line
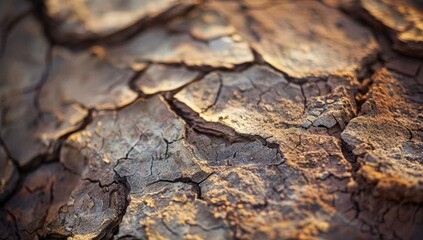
24, 59
257, 96
142, 143
22, 67
39, 198
387, 138
88, 19
260, 100
78, 82
139, 142
302, 38
75, 83
184, 43
171, 211
86, 79
19, 132
403, 20
92, 211
270, 203
53, 203
158, 45
203, 24
257, 185
161, 78
220, 152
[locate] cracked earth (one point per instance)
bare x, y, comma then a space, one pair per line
212, 119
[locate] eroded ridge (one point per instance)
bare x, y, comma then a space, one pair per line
170, 119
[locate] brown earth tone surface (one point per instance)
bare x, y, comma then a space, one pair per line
213, 119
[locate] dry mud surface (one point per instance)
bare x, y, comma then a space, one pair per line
213, 119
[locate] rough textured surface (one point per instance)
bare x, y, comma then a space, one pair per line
302, 38
203, 24
246, 102
260, 100
386, 137
157, 45
26, 48
87, 19
22, 68
404, 21
161, 45
142, 144
39, 116
54, 201
67, 94
266, 119
31, 203
162, 78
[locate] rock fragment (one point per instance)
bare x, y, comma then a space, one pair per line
302, 38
